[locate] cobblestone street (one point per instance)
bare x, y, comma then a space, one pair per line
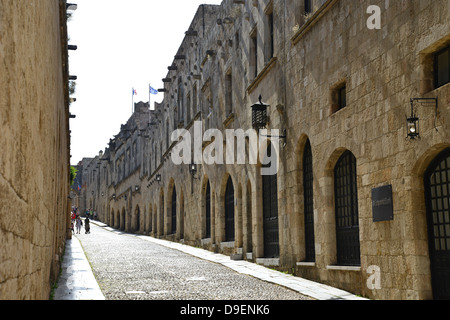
129, 268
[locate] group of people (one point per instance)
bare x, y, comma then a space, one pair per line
78, 223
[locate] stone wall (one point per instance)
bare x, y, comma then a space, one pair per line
229, 57
34, 162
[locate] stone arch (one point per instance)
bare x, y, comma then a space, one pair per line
205, 204
172, 207
181, 214
239, 223
111, 218
247, 214
155, 226
326, 224
117, 220
160, 223
150, 219
304, 200
137, 219
223, 213
417, 212
123, 219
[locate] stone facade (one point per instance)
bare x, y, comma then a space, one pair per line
342, 92
35, 157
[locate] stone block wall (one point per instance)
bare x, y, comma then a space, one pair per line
34, 162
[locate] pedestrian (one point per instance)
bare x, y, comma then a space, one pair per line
71, 226
79, 223
87, 225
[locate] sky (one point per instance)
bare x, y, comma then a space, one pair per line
122, 44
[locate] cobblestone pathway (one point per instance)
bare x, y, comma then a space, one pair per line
129, 268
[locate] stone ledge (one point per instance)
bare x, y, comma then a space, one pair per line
306, 264
268, 262
343, 268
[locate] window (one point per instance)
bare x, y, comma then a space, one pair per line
342, 92
308, 6
180, 103
269, 36
253, 54
208, 211
174, 211
229, 211
338, 97
188, 116
346, 209
442, 67
308, 203
194, 100
228, 94
270, 211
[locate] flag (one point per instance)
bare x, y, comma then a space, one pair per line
153, 91
134, 92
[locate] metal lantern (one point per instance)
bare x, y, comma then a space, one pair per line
193, 168
413, 127
259, 115
412, 124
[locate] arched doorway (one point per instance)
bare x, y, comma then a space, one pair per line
346, 210
229, 211
123, 220
138, 219
270, 210
111, 219
208, 211
161, 230
174, 211
437, 195
308, 196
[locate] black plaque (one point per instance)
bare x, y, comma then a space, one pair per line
382, 205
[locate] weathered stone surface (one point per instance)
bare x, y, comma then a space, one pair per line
34, 161
313, 56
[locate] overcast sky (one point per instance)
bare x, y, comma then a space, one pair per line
121, 45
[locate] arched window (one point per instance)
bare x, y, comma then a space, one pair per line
174, 211
437, 193
308, 195
346, 208
208, 211
138, 219
229, 211
270, 210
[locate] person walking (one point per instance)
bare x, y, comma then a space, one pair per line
79, 223
87, 225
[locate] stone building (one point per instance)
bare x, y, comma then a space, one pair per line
35, 157
360, 199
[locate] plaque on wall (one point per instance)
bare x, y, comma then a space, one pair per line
382, 205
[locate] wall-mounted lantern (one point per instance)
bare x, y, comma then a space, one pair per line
260, 120
193, 170
259, 115
413, 121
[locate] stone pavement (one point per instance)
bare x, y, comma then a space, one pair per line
77, 281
